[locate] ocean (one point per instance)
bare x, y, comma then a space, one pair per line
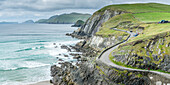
27, 51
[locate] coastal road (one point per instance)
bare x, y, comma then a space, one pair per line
104, 57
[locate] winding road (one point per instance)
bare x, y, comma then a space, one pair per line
104, 57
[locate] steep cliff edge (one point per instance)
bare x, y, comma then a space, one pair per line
93, 24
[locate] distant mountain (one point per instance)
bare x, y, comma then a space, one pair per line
65, 18
29, 22
8, 22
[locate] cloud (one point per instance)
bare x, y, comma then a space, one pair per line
35, 9
52, 5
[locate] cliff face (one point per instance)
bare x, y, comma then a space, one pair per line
98, 42
93, 24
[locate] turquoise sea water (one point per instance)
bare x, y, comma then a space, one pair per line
27, 51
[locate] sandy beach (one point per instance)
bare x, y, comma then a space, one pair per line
42, 83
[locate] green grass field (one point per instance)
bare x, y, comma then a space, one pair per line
152, 17
152, 30
140, 15
139, 19
113, 22
138, 8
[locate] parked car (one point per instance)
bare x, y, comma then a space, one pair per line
163, 21
136, 34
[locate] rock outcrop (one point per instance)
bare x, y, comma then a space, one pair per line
29, 22
95, 74
79, 23
99, 43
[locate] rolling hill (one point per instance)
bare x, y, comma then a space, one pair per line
65, 18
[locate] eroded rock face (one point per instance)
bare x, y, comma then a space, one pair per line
66, 47
98, 42
89, 73
93, 24
149, 54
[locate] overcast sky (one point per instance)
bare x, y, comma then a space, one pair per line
21, 10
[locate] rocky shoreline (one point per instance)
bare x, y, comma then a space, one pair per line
66, 67
90, 71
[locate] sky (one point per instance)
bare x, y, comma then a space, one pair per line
21, 10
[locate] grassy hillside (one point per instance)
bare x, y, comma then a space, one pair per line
151, 31
137, 16
65, 18
138, 8
114, 22
152, 16
152, 47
